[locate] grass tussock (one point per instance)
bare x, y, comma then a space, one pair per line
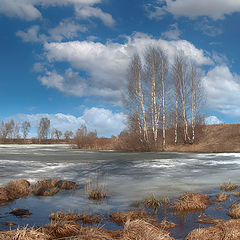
141, 230
191, 202
96, 189
222, 197
166, 225
209, 220
85, 218
21, 188
121, 218
50, 187
24, 234
61, 229
6, 196
151, 202
224, 230
236, 194
228, 186
234, 211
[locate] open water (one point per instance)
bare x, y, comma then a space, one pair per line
129, 177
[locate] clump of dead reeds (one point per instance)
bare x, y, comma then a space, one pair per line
121, 218
228, 186
62, 229
70, 216
222, 197
50, 187
21, 188
166, 225
6, 196
24, 234
141, 230
236, 194
96, 189
224, 230
191, 202
151, 202
234, 211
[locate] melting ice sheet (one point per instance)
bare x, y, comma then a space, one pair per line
129, 176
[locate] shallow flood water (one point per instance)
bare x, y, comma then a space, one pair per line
129, 177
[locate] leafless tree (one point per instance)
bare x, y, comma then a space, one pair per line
43, 129
25, 129
135, 100
57, 133
16, 134
68, 134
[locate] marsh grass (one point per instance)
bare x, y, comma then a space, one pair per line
70, 216
228, 186
191, 202
222, 197
151, 202
96, 189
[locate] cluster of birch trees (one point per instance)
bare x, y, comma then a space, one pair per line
163, 95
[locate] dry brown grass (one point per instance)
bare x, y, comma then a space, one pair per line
151, 202
166, 225
121, 218
61, 229
141, 230
236, 194
6, 196
191, 202
222, 197
50, 187
224, 230
209, 220
229, 186
85, 218
23, 234
96, 189
21, 188
234, 211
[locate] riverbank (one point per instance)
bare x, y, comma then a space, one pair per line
209, 139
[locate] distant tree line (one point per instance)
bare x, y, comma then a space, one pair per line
163, 101
15, 131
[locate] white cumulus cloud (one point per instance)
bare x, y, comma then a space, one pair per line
104, 121
106, 65
215, 9
223, 88
28, 9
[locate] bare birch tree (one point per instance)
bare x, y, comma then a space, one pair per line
25, 129
43, 128
152, 59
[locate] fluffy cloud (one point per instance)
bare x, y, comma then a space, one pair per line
106, 64
23, 9
212, 120
66, 29
223, 89
27, 9
31, 35
103, 120
215, 9
89, 12
174, 32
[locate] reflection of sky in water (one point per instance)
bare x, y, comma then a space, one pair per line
129, 176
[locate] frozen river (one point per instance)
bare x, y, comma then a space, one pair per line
129, 176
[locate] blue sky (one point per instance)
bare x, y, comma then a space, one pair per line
67, 59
